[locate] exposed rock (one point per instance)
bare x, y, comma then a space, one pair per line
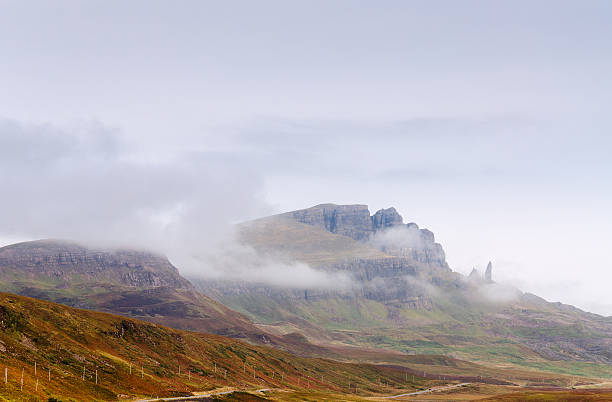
348, 220
409, 241
475, 275
355, 222
69, 262
127, 282
489, 273
386, 218
427, 235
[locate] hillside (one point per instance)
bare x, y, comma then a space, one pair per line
406, 298
58, 353
302, 242
407, 322
133, 283
64, 263
87, 355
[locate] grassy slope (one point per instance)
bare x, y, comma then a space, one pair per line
303, 242
65, 340
96, 286
472, 335
456, 324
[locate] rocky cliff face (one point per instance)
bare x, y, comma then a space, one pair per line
353, 221
348, 220
385, 229
489, 273
127, 282
399, 276
65, 261
475, 275
386, 218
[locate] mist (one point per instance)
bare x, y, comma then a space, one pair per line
400, 238
234, 261
499, 293
87, 185
486, 123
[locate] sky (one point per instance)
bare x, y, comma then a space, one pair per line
159, 122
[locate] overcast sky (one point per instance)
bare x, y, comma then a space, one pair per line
487, 122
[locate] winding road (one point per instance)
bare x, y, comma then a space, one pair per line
209, 394
197, 397
428, 390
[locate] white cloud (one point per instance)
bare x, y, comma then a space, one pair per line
89, 186
239, 262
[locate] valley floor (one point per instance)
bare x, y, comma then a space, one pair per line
450, 392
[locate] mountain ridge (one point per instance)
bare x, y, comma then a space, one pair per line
406, 296
61, 259
133, 283
356, 222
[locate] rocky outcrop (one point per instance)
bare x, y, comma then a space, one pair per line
354, 221
68, 262
478, 278
474, 275
489, 273
386, 218
133, 283
348, 220
408, 241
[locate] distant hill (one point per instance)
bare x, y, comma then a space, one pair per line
63, 263
405, 296
303, 242
133, 283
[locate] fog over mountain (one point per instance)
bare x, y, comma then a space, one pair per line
160, 125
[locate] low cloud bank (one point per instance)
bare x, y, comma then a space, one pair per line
238, 262
87, 185
492, 292
427, 288
398, 238
498, 293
